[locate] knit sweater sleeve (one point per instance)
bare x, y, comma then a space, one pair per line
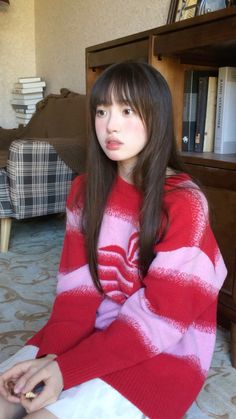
74, 312
180, 290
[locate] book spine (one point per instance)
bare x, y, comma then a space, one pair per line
25, 101
201, 114
23, 116
28, 79
218, 147
225, 138
209, 135
27, 96
23, 107
189, 111
27, 91
29, 85
24, 111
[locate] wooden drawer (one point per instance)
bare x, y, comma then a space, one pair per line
213, 177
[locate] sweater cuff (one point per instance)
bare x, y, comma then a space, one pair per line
24, 354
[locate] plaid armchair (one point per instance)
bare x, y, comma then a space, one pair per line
39, 161
35, 182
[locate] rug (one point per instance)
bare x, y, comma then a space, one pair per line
27, 288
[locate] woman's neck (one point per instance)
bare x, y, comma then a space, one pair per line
125, 172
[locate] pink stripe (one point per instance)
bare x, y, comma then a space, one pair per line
115, 230
158, 333
196, 343
113, 221
77, 279
191, 261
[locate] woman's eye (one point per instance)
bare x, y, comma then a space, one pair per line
100, 113
128, 111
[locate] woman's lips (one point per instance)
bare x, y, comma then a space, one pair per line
113, 144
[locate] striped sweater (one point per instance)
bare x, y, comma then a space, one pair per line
154, 341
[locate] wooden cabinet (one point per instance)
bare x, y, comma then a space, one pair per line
207, 41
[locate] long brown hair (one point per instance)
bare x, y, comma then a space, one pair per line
147, 92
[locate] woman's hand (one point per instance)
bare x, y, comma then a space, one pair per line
51, 376
26, 376
12, 380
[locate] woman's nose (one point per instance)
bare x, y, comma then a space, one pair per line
113, 123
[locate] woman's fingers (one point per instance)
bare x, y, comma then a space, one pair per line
13, 380
7, 391
25, 376
51, 376
41, 400
3, 389
7, 383
23, 379
25, 370
34, 380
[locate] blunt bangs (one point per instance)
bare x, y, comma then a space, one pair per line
123, 83
145, 90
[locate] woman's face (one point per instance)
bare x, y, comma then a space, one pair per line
121, 133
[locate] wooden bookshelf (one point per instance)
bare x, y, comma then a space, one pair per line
203, 42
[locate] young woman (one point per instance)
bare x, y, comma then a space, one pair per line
132, 329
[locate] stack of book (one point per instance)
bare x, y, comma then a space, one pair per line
209, 122
26, 93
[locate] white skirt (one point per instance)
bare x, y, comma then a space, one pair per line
93, 399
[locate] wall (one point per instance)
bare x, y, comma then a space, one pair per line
65, 28
17, 52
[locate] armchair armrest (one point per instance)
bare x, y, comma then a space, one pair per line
39, 179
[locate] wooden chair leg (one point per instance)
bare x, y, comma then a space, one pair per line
5, 233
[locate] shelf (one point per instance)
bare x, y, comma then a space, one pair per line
224, 161
204, 40
106, 56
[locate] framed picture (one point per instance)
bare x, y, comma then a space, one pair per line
184, 9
